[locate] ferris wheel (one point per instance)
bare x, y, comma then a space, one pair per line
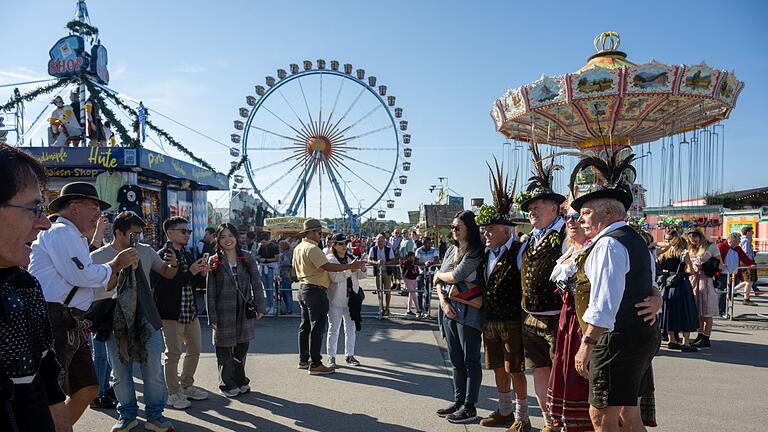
323, 142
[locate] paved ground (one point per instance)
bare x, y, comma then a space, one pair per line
405, 377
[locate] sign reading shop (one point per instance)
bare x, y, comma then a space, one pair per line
69, 58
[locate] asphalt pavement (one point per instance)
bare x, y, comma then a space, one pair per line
405, 377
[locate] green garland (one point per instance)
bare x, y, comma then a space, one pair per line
81, 27
26, 97
122, 132
236, 167
133, 113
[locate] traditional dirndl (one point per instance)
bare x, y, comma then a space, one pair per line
568, 392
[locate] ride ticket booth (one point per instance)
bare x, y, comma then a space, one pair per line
154, 185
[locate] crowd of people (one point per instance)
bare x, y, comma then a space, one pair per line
576, 300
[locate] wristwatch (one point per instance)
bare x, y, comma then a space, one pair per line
586, 339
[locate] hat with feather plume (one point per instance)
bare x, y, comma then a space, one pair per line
540, 185
614, 176
503, 194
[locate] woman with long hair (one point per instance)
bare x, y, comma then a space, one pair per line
680, 314
344, 285
234, 286
701, 251
461, 324
568, 393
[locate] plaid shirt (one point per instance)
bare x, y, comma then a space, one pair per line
187, 312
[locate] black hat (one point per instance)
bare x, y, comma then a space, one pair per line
540, 186
340, 238
77, 190
503, 196
614, 175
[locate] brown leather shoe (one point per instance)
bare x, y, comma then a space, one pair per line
520, 426
496, 419
321, 370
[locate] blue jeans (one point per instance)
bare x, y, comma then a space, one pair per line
155, 391
101, 364
268, 281
287, 294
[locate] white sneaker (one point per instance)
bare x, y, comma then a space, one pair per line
194, 393
178, 401
231, 393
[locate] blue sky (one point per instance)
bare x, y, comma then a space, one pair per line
446, 61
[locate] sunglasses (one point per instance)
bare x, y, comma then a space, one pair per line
572, 217
455, 227
182, 231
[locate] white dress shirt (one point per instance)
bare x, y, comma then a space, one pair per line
606, 268
493, 258
60, 260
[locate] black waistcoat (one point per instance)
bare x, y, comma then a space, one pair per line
539, 293
502, 294
638, 279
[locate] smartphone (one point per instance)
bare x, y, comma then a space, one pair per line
134, 239
168, 245
205, 257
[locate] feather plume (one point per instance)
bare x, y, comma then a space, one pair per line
502, 192
611, 170
543, 173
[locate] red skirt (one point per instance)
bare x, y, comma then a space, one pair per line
568, 392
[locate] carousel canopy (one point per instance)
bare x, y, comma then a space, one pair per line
614, 101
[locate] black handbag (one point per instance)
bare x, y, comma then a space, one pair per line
671, 280
251, 311
711, 267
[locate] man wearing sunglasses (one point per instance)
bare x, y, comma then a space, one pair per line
175, 299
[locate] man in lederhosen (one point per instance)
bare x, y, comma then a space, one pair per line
618, 344
502, 311
536, 259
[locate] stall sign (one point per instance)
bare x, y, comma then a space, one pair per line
99, 64
72, 172
82, 157
68, 57
179, 169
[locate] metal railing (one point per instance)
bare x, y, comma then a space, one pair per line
731, 290
276, 292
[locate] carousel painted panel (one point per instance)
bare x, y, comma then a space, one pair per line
546, 91
651, 77
513, 103
595, 82
497, 114
699, 80
728, 89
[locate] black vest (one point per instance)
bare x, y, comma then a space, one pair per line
539, 293
638, 280
502, 296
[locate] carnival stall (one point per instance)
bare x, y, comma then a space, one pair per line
153, 185
287, 226
87, 141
